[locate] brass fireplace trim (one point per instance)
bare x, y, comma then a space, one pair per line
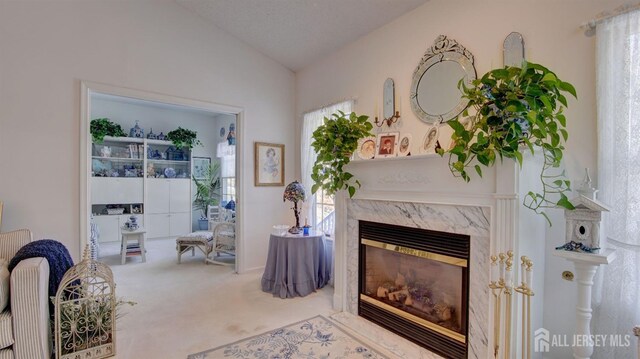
425, 323
416, 252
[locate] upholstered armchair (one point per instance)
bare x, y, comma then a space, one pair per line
24, 325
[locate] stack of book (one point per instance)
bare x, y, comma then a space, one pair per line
136, 150
133, 249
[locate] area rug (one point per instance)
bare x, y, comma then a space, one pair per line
313, 338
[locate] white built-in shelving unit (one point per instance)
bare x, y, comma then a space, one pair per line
157, 190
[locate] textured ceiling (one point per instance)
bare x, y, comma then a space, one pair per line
297, 32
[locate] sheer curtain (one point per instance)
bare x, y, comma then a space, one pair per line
618, 102
312, 120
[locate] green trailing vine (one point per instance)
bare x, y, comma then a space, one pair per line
335, 141
101, 127
182, 137
514, 107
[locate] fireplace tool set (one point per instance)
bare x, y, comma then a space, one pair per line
503, 290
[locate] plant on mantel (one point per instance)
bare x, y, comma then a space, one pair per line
182, 137
514, 107
335, 141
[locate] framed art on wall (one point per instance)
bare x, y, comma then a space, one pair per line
200, 166
269, 164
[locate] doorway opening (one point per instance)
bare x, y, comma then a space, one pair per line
143, 179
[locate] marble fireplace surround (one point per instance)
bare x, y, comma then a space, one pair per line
472, 220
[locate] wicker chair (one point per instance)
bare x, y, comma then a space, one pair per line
224, 241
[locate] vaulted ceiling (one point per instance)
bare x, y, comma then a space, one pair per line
298, 32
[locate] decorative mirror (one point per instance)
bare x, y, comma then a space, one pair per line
434, 96
388, 107
513, 50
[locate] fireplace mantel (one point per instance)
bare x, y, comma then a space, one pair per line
490, 214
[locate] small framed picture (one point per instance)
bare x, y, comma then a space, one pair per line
387, 145
428, 144
367, 148
200, 167
268, 164
404, 145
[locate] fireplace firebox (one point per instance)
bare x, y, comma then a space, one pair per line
415, 283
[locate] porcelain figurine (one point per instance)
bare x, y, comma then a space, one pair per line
151, 135
136, 131
161, 136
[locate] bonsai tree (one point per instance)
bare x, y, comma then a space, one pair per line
182, 137
207, 190
101, 127
335, 141
514, 107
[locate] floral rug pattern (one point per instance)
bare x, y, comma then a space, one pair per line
309, 339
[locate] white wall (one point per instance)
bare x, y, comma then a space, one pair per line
552, 38
48, 47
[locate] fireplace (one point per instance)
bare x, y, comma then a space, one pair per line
415, 283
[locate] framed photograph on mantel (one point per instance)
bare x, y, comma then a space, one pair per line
269, 164
200, 166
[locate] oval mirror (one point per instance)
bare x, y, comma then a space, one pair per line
435, 96
388, 107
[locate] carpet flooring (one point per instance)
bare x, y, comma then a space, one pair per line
191, 307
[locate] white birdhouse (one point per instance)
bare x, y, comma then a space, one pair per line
583, 223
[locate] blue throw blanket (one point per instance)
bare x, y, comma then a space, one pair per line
56, 254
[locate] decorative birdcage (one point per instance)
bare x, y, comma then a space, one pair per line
85, 312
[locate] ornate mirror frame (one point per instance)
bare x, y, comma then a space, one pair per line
443, 49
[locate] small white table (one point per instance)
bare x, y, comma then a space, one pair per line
133, 249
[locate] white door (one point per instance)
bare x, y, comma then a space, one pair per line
179, 195
108, 227
180, 224
158, 191
157, 225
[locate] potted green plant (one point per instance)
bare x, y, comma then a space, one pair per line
182, 137
514, 107
335, 141
101, 127
207, 193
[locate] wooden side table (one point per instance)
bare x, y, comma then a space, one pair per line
133, 249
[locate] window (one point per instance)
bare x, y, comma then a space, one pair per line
228, 189
618, 103
321, 207
227, 155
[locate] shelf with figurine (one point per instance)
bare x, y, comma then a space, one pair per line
117, 157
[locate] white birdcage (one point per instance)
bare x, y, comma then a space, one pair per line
85, 312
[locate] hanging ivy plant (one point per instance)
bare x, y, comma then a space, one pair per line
181, 137
101, 127
514, 107
335, 141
